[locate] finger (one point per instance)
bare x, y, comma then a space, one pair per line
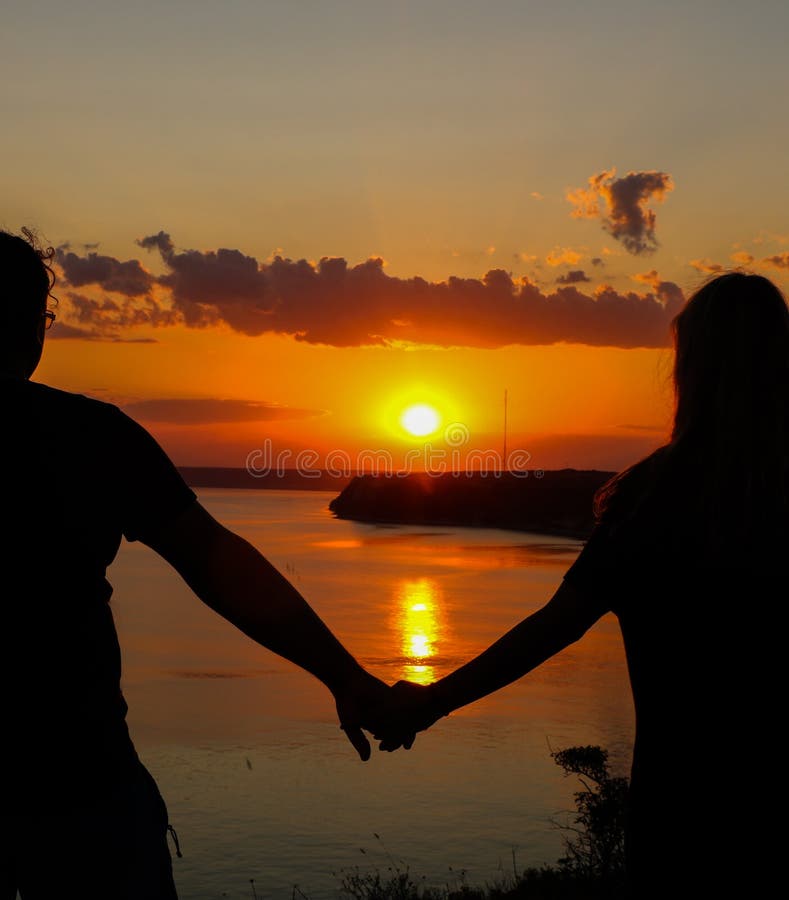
359, 741
394, 741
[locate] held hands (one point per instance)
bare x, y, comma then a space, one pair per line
393, 715
412, 707
359, 703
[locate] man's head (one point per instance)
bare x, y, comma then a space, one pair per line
26, 279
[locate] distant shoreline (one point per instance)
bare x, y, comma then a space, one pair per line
559, 503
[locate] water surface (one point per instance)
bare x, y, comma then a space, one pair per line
245, 746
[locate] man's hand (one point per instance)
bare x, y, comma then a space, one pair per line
362, 702
231, 576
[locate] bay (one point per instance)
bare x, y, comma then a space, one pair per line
259, 780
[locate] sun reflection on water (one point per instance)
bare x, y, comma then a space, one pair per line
419, 624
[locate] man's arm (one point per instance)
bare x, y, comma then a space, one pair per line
234, 579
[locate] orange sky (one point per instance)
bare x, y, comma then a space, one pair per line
287, 226
352, 397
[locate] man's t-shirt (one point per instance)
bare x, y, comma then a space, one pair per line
77, 475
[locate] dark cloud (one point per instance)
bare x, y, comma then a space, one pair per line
626, 216
128, 278
667, 292
335, 303
198, 279
597, 261
211, 410
88, 309
64, 331
108, 314
574, 276
160, 242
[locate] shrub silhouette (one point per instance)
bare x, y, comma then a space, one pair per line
592, 868
596, 847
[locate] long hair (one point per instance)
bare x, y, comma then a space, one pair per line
726, 461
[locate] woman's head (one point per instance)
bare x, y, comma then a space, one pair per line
731, 369
726, 468
26, 280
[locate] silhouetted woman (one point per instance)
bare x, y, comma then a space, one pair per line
689, 553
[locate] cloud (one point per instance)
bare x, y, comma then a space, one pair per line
107, 314
574, 276
211, 410
626, 216
561, 256
651, 277
333, 302
198, 279
536, 195
742, 258
64, 331
777, 261
707, 267
597, 261
160, 242
128, 278
667, 292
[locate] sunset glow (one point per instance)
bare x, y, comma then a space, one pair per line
420, 420
418, 620
360, 315
305, 279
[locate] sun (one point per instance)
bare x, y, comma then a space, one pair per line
420, 420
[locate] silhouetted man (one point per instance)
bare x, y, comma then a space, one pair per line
81, 816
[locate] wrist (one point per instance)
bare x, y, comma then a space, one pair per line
439, 700
347, 673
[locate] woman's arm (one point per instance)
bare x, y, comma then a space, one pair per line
563, 620
566, 617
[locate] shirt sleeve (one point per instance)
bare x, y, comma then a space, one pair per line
633, 545
150, 490
602, 568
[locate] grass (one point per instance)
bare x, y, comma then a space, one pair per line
558, 882
592, 867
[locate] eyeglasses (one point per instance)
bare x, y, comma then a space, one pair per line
49, 318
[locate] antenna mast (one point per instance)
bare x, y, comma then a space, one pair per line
504, 457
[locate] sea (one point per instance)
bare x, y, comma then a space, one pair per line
266, 794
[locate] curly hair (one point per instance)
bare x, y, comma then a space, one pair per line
26, 278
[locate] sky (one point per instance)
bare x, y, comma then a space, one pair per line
280, 224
